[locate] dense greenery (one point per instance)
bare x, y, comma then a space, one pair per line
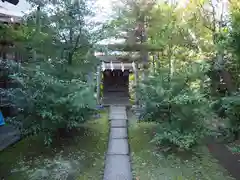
178, 94
180, 106
188, 86
50, 101
153, 163
196, 65
54, 91
78, 156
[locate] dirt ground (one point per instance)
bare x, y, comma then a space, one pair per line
226, 158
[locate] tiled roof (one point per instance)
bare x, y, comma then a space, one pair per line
8, 16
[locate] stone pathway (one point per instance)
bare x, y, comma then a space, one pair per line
8, 136
117, 162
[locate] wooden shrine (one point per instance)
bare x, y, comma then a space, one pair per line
113, 71
114, 76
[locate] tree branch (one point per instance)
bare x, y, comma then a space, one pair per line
76, 43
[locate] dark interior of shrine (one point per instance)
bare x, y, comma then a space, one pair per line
116, 85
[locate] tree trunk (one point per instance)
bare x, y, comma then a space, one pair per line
224, 74
227, 80
70, 44
70, 58
153, 62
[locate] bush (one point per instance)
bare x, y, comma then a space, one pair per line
7, 67
180, 107
230, 107
51, 98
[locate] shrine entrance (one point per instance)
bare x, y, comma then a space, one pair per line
115, 87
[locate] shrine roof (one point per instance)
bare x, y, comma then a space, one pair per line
118, 58
118, 66
134, 47
8, 16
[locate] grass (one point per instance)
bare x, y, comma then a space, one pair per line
149, 163
85, 152
82, 156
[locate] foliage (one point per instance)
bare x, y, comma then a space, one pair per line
187, 32
228, 105
179, 106
149, 162
53, 91
234, 148
48, 100
78, 156
230, 108
234, 41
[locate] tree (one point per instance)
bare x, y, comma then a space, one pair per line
180, 81
53, 94
69, 20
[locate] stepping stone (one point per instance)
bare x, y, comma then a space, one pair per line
118, 133
118, 112
119, 123
117, 167
118, 107
118, 147
117, 116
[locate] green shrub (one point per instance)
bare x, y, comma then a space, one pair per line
230, 106
180, 106
51, 98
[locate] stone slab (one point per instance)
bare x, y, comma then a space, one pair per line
8, 136
117, 108
118, 112
117, 167
118, 146
118, 133
117, 116
118, 123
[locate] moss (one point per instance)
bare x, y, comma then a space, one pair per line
97, 144
150, 163
25, 149
24, 158
21, 160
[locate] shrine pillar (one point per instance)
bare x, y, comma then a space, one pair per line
98, 83
136, 84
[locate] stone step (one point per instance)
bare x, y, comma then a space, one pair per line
117, 116
118, 133
116, 94
118, 123
4, 137
118, 109
8, 135
117, 163
117, 168
116, 101
118, 147
9, 141
117, 112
